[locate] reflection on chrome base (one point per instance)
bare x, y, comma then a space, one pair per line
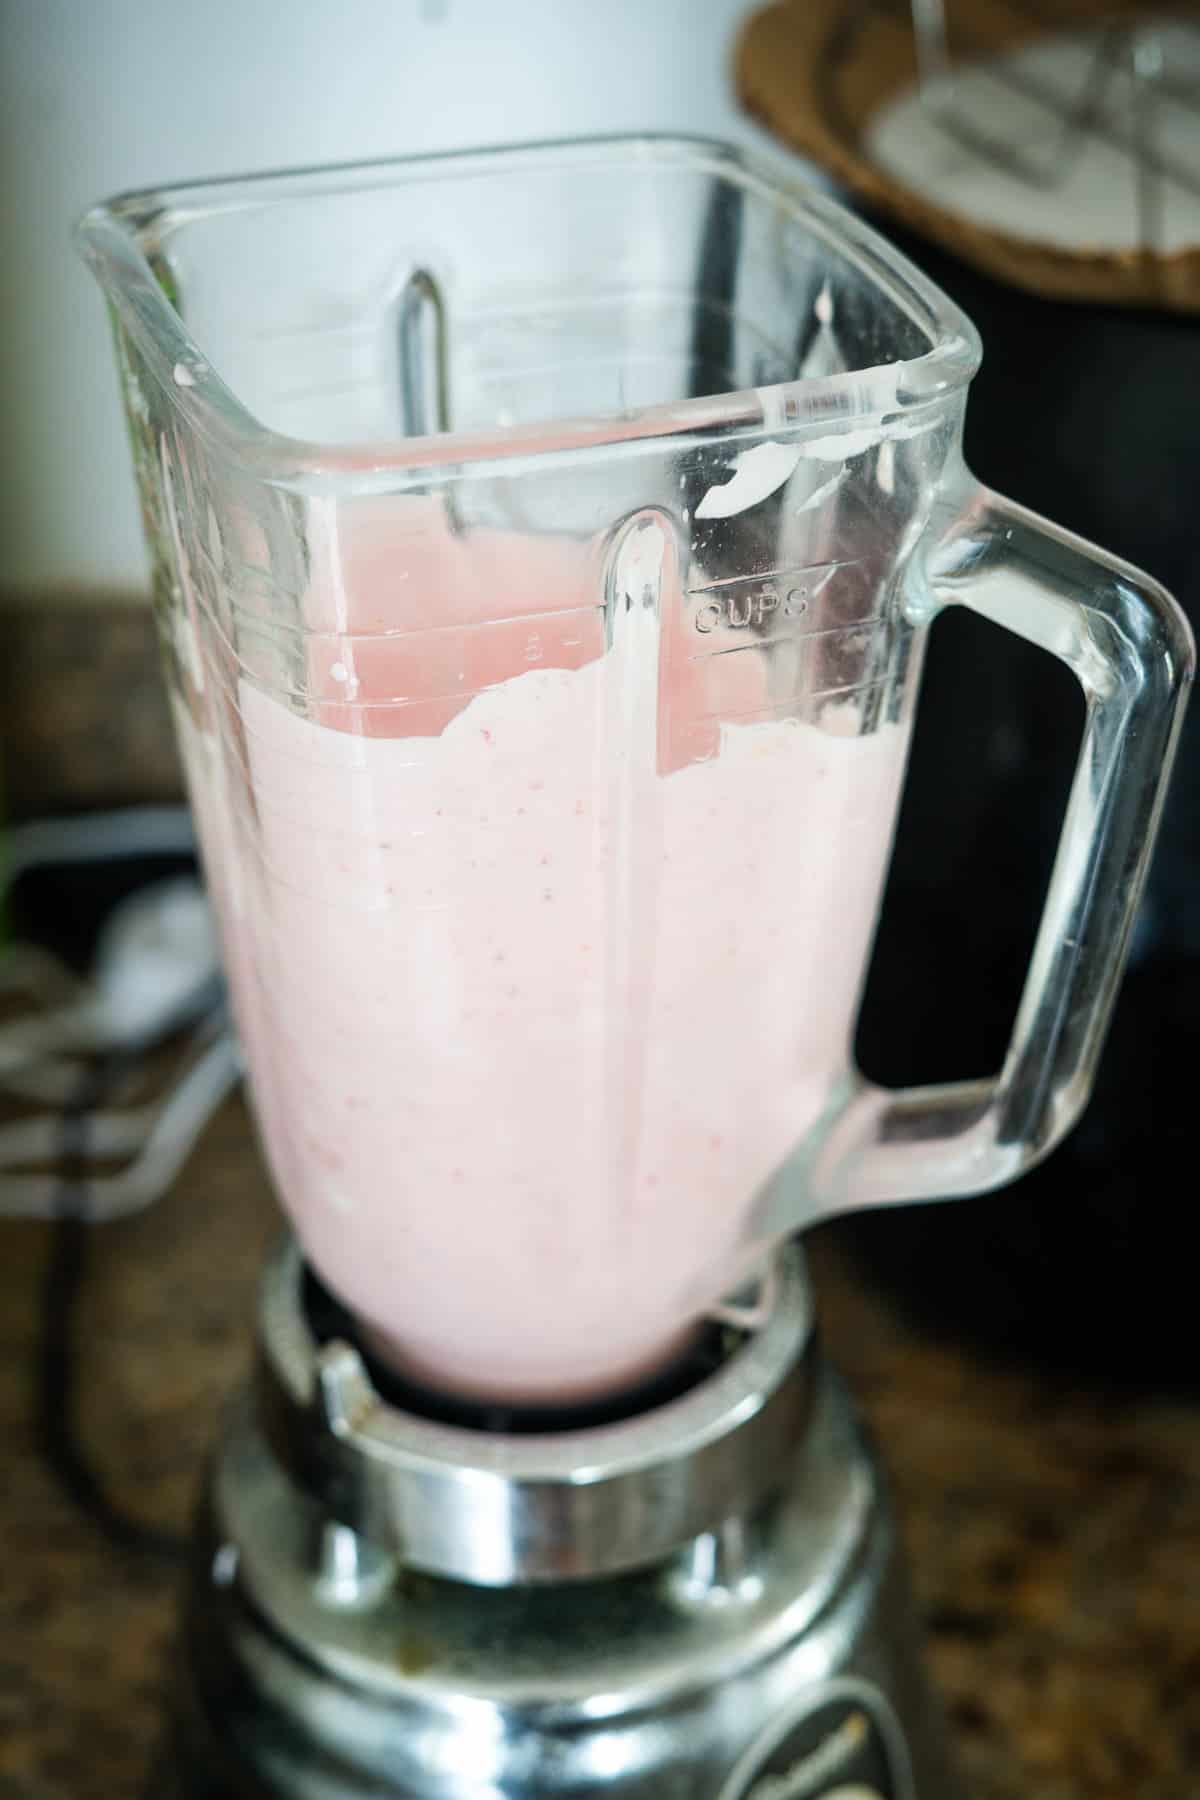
699, 1602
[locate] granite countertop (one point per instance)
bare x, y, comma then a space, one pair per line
1053, 1527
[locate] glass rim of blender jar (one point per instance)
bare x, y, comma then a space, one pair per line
117, 237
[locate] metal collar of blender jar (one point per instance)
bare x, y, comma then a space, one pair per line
494, 1510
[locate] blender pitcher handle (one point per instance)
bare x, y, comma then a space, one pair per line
1131, 650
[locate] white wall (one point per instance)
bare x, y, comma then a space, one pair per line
100, 95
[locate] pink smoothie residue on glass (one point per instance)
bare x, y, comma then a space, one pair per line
545, 955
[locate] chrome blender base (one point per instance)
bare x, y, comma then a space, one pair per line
768, 1652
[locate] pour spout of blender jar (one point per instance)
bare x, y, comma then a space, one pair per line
1130, 648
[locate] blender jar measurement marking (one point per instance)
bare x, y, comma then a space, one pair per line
742, 602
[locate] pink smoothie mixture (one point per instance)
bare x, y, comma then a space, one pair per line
532, 1005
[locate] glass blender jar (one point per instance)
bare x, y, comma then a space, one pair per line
544, 547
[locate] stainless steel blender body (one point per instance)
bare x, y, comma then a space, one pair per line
701, 1602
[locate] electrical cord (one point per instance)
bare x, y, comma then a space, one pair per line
91, 838
98, 837
57, 1369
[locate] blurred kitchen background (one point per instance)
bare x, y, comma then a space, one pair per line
1064, 1305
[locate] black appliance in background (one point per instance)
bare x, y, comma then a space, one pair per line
1090, 415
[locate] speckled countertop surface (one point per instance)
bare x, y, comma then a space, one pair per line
1054, 1530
